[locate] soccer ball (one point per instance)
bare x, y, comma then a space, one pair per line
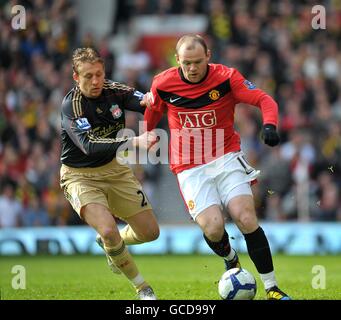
237, 284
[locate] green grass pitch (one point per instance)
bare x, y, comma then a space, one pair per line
173, 277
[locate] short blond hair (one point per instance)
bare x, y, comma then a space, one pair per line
82, 55
191, 40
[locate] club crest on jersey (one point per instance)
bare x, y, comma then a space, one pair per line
116, 111
248, 84
214, 95
83, 124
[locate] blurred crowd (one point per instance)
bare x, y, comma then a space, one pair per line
271, 42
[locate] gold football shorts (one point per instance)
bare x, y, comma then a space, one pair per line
112, 185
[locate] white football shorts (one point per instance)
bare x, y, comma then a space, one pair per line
216, 182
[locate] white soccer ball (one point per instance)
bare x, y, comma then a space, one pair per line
237, 284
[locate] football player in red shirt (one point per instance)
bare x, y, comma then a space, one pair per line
199, 98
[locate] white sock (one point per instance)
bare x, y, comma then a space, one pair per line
231, 255
268, 279
137, 281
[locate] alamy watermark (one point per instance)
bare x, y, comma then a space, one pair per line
19, 278
319, 19
18, 21
319, 280
187, 146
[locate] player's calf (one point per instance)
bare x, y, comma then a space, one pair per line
111, 265
223, 249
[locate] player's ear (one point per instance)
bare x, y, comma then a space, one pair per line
208, 55
177, 59
75, 76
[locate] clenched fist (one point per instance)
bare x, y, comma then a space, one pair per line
147, 100
145, 140
270, 135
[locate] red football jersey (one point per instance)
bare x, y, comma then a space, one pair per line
201, 115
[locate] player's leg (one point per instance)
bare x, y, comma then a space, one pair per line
211, 222
132, 205
198, 190
83, 191
80, 189
141, 227
100, 218
242, 210
127, 199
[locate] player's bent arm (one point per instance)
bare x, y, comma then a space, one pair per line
269, 109
136, 102
246, 92
79, 131
155, 107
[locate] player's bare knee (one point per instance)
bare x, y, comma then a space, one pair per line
214, 232
247, 222
155, 233
109, 234
150, 235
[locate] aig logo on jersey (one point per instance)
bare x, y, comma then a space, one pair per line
198, 119
116, 111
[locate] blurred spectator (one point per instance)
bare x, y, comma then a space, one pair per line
35, 215
274, 209
33, 81
298, 147
108, 56
133, 67
328, 193
10, 208
276, 176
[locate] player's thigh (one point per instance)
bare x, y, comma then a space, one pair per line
80, 190
235, 171
198, 190
126, 196
144, 225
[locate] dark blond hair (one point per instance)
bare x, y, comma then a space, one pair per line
82, 55
191, 40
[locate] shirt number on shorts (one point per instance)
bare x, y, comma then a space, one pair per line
143, 202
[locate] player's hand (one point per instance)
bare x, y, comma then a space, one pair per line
146, 140
147, 100
270, 135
